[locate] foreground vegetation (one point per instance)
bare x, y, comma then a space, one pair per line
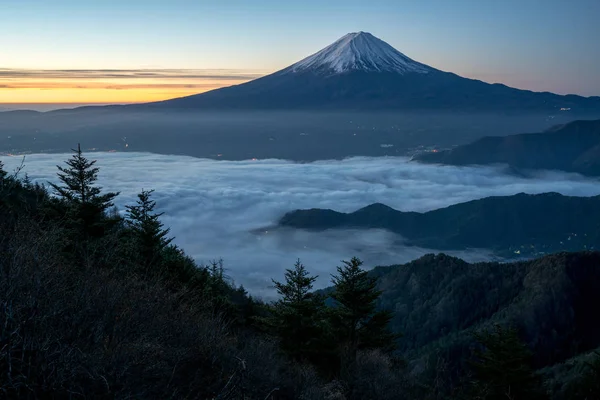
95, 304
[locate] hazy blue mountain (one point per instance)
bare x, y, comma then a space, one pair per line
360, 71
573, 147
513, 226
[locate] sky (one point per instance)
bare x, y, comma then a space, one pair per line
115, 51
227, 209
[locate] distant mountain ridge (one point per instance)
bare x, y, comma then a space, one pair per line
360, 71
572, 147
512, 226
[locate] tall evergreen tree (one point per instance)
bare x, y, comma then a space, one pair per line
502, 367
26, 181
87, 203
297, 316
3, 173
3, 183
357, 323
150, 236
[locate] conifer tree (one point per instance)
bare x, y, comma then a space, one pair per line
151, 237
27, 182
356, 322
502, 368
3, 173
3, 179
297, 315
87, 203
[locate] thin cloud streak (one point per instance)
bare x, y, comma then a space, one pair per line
109, 86
94, 74
113, 85
215, 208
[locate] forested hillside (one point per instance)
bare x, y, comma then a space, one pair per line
97, 303
439, 302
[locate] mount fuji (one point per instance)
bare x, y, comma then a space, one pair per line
360, 71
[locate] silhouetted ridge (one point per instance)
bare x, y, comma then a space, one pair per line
519, 225
572, 147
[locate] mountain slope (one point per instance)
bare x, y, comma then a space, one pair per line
518, 225
573, 147
440, 300
360, 71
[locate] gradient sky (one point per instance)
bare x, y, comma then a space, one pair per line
168, 48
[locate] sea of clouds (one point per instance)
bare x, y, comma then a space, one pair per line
214, 208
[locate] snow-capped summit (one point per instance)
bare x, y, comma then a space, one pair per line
358, 51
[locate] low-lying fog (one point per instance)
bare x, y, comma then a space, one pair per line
212, 206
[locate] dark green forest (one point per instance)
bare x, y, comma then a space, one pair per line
99, 304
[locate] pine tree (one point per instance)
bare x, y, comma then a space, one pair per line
297, 316
354, 317
3, 173
27, 182
87, 203
150, 236
502, 368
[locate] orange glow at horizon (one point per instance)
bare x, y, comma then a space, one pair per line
88, 86
99, 95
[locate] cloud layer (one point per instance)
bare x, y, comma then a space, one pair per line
214, 207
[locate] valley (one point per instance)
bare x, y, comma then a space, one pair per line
291, 135
229, 209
